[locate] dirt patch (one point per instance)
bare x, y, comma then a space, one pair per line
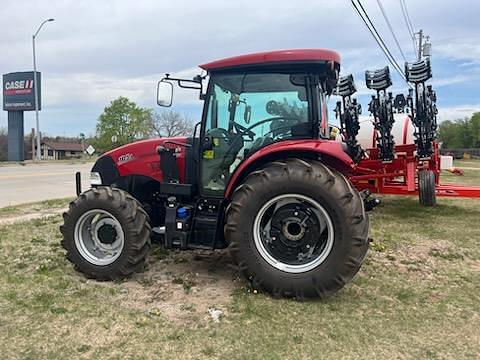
183, 286
179, 286
30, 215
420, 258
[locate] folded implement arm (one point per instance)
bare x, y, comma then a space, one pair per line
348, 110
381, 107
424, 109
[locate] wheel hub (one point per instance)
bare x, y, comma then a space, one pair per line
107, 234
99, 237
293, 233
295, 226
293, 229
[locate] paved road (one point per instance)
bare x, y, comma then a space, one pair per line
37, 182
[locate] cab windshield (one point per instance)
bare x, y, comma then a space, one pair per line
247, 112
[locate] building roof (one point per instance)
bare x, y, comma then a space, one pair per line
63, 145
278, 56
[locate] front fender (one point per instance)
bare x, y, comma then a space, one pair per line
328, 151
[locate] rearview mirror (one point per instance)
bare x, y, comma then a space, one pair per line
164, 93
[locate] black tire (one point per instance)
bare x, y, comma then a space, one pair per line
325, 186
426, 188
134, 222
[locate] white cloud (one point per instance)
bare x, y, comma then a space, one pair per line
98, 50
93, 89
461, 48
457, 112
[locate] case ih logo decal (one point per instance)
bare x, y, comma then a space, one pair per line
19, 91
122, 159
18, 87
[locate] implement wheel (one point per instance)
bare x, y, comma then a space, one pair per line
426, 188
297, 229
106, 233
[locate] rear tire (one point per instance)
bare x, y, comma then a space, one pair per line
426, 188
323, 192
106, 233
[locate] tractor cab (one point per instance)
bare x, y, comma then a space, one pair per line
254, 101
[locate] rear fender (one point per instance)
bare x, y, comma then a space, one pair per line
328, 152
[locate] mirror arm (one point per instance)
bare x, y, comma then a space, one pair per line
196, 80
189, 87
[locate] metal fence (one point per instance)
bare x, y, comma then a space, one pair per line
461, 153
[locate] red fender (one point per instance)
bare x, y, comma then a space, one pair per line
330, 152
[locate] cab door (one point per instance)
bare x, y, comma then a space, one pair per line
248, 111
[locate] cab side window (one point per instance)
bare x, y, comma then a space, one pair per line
247, 112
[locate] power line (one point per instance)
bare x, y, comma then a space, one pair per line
384, 47
391, 29
408, 16
410, 28
371, 28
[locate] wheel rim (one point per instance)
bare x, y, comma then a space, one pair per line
293, 233
99, 237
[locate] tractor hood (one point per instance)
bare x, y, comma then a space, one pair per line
139, 158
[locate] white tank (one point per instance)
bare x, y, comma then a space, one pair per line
402, 131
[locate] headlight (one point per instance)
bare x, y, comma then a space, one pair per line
95, 178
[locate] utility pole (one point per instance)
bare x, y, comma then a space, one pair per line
82, 137
420, 46
35, 86
33, 144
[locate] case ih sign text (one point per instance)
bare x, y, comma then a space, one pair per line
19, 91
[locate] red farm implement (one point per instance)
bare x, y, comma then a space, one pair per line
401, 155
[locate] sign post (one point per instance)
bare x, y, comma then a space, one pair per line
18, 96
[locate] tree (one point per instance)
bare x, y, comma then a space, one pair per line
3, 144
458, 134
474, 129
449, 133
125, 120
171, 124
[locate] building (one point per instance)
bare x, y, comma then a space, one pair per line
58, 150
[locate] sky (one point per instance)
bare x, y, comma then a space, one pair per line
95, 51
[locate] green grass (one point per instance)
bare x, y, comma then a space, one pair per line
17, 210
471, 169
416, 297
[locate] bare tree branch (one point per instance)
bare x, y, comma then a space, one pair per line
171, 124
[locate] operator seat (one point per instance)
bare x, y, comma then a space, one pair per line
217, 162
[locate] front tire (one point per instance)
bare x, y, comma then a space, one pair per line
297, 229
106, 233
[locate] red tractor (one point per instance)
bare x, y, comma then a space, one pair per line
262, 174
261, 177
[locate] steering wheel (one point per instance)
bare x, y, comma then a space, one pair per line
242, 130
261, 122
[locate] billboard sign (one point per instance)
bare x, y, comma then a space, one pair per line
18, 91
